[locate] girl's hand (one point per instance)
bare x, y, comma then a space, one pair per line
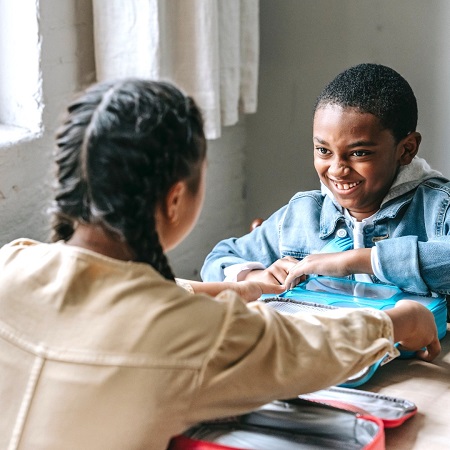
248, 290
415, 329
252, 290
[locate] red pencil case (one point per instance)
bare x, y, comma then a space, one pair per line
331, 418
392, 411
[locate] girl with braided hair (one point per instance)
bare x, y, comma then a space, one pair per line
121, 149
127, 153
100, 348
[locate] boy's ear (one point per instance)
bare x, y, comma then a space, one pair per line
410, 147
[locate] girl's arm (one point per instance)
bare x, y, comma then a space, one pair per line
247, 290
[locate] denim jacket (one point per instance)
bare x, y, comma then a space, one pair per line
411, 231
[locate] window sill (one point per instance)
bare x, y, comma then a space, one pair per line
10, 135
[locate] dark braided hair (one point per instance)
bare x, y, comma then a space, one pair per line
378, 90
120, 149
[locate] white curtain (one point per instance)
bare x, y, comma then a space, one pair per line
208, 48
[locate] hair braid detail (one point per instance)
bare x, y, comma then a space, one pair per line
119, 151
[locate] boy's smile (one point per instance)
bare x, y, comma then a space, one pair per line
355, 157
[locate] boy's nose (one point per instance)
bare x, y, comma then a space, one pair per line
338, 169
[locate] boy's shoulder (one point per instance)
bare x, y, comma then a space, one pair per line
442, 184
436, 182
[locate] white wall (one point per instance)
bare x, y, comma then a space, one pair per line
304, 43
67, 65
223, 214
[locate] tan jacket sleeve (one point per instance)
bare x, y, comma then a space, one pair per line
261, 355
185, 285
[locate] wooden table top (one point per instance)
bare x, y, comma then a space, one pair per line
428, 386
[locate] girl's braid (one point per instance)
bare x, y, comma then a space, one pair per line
119, 154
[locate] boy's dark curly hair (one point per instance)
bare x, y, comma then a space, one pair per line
120, 149
378, 90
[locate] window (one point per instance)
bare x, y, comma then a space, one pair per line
20, 82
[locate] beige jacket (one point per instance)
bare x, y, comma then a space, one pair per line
97, 353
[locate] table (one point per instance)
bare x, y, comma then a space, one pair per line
428, 386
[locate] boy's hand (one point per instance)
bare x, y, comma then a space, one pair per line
332, 264
274, 274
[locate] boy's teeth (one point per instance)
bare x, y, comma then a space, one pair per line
345, 186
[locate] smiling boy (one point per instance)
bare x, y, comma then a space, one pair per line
374, 189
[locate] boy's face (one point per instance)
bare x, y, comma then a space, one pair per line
355, 158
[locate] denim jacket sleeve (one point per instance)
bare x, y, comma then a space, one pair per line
262, 245
298, 229
417, 254
419, 267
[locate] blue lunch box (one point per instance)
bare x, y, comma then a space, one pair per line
328, 292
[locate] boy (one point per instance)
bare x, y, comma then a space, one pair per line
374, 189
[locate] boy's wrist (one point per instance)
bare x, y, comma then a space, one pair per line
358, 261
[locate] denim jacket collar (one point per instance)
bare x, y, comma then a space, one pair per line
330, 216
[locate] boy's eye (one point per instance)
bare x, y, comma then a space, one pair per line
360, 153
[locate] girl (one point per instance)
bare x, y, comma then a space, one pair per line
100, 348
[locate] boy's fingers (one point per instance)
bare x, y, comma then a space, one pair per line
294, 277
292, 281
